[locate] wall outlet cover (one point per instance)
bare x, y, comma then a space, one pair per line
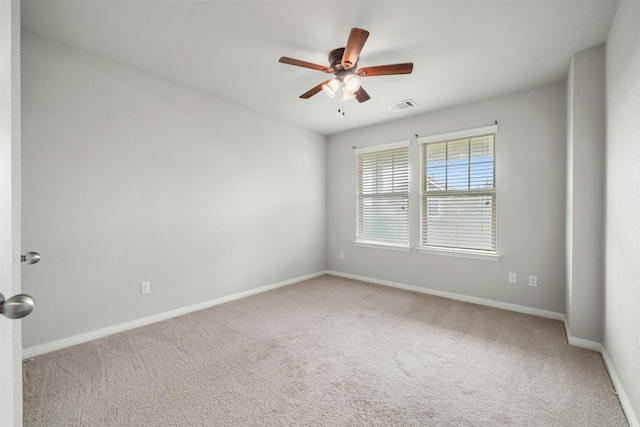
145, 287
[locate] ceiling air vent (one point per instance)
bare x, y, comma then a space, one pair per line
403, 105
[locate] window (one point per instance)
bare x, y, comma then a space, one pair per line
382, 195
458, 195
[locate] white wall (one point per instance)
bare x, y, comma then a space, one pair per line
129, 178
530, 176
585, 194
622, 217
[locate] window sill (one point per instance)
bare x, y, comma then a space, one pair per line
461, 253
379, 245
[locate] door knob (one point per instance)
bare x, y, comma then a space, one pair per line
17, 306
30, 257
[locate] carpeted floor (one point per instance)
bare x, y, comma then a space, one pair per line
327, 352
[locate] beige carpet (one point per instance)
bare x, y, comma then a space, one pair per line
327, 352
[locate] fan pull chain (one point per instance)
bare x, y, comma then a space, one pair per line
341, 110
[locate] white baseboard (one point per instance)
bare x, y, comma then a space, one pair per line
38, 350
580, 342
459, 297
622, 395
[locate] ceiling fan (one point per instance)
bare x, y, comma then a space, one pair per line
342, 63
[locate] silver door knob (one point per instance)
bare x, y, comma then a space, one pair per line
30, 257
17, 306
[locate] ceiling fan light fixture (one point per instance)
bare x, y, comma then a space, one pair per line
351, 83
343, 62
331, 87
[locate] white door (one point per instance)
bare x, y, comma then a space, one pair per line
10, 330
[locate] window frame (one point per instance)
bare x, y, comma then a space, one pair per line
361, 240
477, 253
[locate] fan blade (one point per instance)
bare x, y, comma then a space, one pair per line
362, 95
354, 45
308, 94
385, 70
304, 64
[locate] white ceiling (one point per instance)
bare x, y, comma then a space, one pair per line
462, 50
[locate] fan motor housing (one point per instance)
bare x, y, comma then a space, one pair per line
335, 59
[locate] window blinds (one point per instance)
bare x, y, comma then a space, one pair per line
458, 208
382, 193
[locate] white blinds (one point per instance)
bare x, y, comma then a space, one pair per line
382, 193
458, 208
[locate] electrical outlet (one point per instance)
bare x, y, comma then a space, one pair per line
512, 277
533, 281
341, 255
145, 288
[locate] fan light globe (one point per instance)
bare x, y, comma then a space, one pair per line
351, 83
331, 87
347, 95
